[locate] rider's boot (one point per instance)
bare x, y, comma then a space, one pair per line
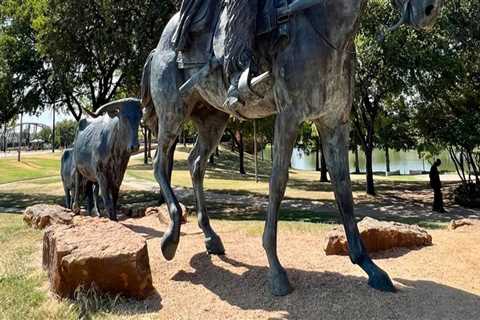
233, 102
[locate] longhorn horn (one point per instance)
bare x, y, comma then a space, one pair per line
90, 113
115, 105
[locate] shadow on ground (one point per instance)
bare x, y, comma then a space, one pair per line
330, 295
16, 202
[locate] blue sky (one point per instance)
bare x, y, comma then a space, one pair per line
46, 117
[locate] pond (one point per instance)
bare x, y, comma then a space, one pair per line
404, 161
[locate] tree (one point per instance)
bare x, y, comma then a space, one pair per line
20, 65
96, 49
45, 135
309, 141
236, 128
65, 133
395, 128
448, 83
380, 78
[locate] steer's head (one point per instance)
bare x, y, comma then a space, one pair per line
420, 14
129, 113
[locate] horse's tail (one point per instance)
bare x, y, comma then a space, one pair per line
150, 117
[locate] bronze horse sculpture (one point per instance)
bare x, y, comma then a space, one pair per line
311, 79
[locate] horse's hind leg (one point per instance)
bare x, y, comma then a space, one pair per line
211, 124
169, 126
335, 142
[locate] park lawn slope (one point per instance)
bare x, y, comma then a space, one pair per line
31, 167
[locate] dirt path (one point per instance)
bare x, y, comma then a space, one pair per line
438, 282
397, 204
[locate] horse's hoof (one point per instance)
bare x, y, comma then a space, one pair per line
214, 245
169, 247
76, 209
279, 283
381, 281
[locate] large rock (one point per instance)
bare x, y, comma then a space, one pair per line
378, 236
41, 216
98, 252
163, 215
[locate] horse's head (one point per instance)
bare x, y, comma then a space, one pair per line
420, 14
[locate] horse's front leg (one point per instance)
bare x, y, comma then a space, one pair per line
335, 144
285, 135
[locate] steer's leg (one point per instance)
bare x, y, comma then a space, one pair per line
95, 212
105, 190
89, 195
76, 197
286, 128
68, 198
211, 125
335, 144
169, 125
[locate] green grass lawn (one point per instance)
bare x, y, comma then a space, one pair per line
31, 167
22, 292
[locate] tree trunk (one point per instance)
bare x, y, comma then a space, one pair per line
474, 166
323, 167
357, 161
369, 167
5, 137
239, 138
233, 143
317, 155
255, 149
20, 138
53, 131
145, 146
149, 135
387, 159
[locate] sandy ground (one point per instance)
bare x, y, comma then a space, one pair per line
437, 282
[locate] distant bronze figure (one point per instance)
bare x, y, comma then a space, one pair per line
304, 52
436, 185
68, 174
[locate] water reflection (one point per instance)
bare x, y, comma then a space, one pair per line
403, 161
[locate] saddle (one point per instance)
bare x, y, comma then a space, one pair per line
201, 30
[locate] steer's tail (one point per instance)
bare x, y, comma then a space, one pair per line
149, 114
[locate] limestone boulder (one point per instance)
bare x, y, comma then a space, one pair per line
96, 252
378, 236
41, 216
455, 224
162, 213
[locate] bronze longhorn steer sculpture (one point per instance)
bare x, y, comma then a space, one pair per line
68, 174
311, 78
103, 147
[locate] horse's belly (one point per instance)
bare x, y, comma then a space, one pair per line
214, 91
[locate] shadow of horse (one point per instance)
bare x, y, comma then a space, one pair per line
328, 295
